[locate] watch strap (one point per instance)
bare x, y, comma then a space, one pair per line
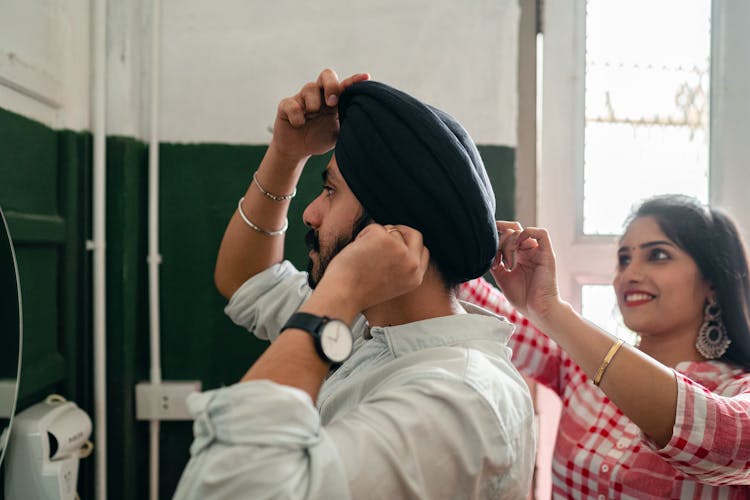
311, 324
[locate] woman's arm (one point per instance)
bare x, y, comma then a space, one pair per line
644, 389
710, 439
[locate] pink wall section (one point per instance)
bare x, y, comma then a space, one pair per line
548, 407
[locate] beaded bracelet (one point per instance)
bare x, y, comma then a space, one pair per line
258, 228
274, 197
605, 362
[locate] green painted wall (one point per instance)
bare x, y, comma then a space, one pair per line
127, 316
43, 176
45, 184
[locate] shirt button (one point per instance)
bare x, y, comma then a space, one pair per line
602, 497
605, 468
622, 443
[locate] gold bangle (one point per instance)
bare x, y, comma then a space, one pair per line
605, 362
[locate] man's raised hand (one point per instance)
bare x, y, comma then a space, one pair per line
307, 122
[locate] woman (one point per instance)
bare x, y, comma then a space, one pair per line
670, 418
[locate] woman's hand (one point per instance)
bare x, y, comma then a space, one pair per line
524, 268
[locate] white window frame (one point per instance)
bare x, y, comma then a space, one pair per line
589, 260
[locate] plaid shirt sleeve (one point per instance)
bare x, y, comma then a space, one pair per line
534, 354
711, 436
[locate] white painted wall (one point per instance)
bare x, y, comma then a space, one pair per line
730, 111
128, 59
44, 60
225, 65
225, 69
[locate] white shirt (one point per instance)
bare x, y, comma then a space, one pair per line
432, 409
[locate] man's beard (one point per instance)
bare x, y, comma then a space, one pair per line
315, 273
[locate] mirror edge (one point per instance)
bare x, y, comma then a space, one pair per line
20, 338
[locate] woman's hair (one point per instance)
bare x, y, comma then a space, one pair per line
711, 238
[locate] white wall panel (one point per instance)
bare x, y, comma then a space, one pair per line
730, 111
226, 65
44, 60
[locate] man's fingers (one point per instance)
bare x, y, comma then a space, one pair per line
424, 261
316, 97
357, 77
414, 244
412, 237
311, 97
292, 109
390, 230
367, 230
328, 81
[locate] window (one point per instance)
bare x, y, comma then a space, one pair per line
637, 98
646, 105
646, 126
655, 87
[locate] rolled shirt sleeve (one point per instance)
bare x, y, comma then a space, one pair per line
259, 440
419, 437
710, 436
256, 305
264, 303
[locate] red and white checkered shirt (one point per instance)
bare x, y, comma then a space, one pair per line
600, 453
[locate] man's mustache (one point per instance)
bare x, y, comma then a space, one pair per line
311, 240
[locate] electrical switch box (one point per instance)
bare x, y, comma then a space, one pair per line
164, 401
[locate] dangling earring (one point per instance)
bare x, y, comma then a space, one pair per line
712, 341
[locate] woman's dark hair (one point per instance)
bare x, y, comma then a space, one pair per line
711, 238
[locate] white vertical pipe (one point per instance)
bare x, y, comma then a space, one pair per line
154, 259
98, 125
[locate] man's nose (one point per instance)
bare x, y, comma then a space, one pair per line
311, 215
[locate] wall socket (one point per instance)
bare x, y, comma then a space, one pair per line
165, 401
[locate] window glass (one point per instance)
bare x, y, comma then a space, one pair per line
647, 96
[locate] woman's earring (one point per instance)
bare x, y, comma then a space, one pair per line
712, 341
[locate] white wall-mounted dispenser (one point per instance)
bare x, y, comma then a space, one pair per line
46, 443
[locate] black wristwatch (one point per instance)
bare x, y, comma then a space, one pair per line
333, 338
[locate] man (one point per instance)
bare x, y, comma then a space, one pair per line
428, 404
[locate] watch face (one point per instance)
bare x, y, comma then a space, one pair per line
336, 341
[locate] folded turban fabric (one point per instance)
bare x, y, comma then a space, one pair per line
409, 163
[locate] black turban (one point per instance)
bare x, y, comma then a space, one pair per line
409, 163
